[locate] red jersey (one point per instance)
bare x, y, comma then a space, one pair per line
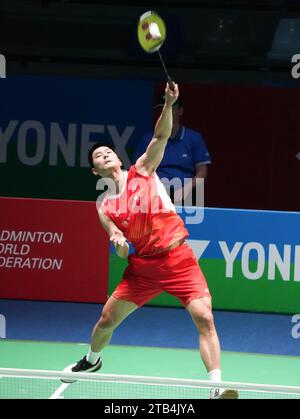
144, 212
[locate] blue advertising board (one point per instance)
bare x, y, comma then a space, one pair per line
48, 125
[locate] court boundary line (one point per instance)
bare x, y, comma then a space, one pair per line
58, 392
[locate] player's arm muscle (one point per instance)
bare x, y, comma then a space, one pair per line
108, 225
150, 160
115, 235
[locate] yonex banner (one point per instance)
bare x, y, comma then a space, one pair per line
52, 250
251, 260
48, 125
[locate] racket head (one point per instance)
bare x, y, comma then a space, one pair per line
148, 43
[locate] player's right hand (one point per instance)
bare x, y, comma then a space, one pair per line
171, 95
117, 238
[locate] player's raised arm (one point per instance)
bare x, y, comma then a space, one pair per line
150, 160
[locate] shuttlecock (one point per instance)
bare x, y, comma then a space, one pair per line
154, 31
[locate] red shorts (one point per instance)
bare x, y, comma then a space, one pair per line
176, 272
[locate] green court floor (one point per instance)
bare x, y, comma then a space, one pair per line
149, 361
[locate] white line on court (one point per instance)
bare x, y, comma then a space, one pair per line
59, 391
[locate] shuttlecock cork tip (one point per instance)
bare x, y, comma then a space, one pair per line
154, 31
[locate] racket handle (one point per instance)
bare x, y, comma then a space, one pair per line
171, 83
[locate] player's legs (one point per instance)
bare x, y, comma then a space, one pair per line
187, 282
113, 313
131, 293
201, 313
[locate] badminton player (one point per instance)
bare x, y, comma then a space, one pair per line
137, 209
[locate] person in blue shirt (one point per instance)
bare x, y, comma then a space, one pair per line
186, 158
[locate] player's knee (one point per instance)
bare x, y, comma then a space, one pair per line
205, 321
107, 321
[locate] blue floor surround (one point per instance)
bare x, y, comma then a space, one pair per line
148, 326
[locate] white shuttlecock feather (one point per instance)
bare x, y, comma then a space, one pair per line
154, 31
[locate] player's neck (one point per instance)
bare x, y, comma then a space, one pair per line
118, 177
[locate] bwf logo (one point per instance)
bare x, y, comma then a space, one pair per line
296, 68
2, 67
2, 327
296, 328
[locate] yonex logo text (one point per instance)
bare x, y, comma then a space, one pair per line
63, 142
2, 67
2, 327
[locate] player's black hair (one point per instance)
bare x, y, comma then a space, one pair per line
97, 145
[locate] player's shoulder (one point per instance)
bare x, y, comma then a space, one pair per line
133, 174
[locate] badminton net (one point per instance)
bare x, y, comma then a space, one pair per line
37, 384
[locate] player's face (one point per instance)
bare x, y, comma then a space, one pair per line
105, 160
